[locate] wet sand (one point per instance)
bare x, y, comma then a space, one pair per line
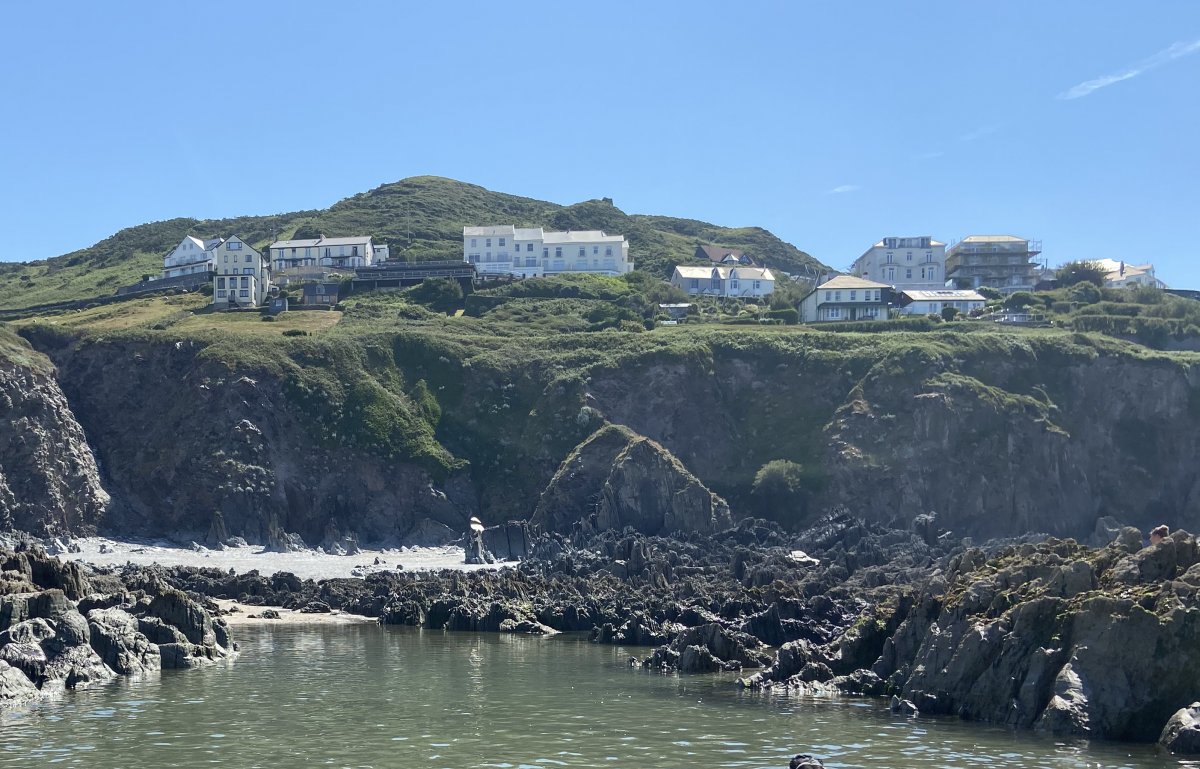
239, 615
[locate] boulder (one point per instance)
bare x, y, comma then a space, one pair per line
1181, 735
15, 686
428, 533
805, 761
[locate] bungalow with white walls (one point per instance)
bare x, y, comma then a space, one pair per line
191, 256
530, 252
724, 280
924, 301
243, 275
846, 298
1119, 274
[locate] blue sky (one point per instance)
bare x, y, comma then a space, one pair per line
832, 124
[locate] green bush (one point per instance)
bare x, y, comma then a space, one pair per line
781, 492
295, 332
1084, 293
442, 294
949, 313
789, 315
268, 318
1018, 299
987, 292
1073, 273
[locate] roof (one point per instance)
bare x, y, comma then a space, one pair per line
693, 271
849, 281
325, 288
212, 243
993, 239
943, 294
932, 243
717, 253
725, 271
322, 241
527, 233
581, 236
479, 232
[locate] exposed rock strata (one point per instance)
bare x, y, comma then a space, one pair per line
57, 632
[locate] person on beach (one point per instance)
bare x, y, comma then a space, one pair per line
1158, 534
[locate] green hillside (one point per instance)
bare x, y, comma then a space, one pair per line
421, 218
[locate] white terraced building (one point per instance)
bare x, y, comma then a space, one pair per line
531, 252
724, 280
357, 251
191, 256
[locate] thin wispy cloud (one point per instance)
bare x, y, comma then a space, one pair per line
1165, 56
979, 133
842, 189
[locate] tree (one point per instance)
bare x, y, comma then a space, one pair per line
1019, 299
1080, 271
780, 492
949, 313
442, 294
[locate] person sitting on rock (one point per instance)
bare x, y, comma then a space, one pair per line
1158, 534
476, 552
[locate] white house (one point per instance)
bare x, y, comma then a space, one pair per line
531, 252
845, 298
916, 301
381, 253
914, 262
288, 255
1122, 275
191, 256
243, 275
724, 280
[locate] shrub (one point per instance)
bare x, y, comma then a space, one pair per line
781, 491
1019, 299
268, 318
1084, 293
789, 316
987, 292
295, 332
949, 313
442, 294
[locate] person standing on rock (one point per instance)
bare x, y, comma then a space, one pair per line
476, 552
1158, 534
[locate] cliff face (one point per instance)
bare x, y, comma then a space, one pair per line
49, 482
183, 437
997, 434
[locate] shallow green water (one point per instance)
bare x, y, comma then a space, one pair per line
364, 696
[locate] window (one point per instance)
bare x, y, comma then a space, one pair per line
225, 258
530, 261
501, 243
220, 283
595, 262
833, 313
582, 251
248, 271
757, 285
929, 256
545, 253
608, 250
933, 272
234, 245
733, 284
889, 257
243, 292
326, 253
695, 283
558, 252
306, 254
595, 250
473, 243
354, 250
245, 283
891, 273
828, 296
909, 257
248, 259
837, 296
529, 247
922, 273
715, 284
220, 294
473, 258
488, 243
853, 296
908, 274
876, 295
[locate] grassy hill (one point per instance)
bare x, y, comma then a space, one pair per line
421, 218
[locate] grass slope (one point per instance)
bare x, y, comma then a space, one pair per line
421, 218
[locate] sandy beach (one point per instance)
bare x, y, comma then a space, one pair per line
240, 615
308, 564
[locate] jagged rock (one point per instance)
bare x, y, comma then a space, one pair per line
428, 533
627, 480
217, 533
32, 631
1181, 735
280, 541
337, 542
508, 541
805, 761
117, 639
903, 707
697, 659
15, 685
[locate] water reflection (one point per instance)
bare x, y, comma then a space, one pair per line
363, 696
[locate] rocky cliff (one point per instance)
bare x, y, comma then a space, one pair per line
49, 482
997, 434
184, 438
